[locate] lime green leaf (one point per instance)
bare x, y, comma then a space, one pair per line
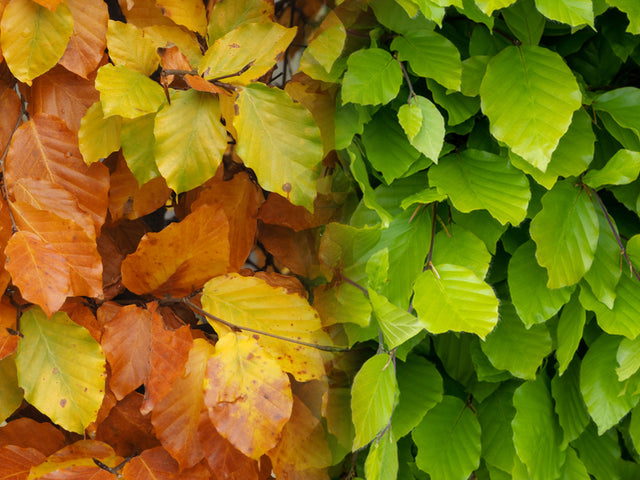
448, 441
627, 137
482, 224
280, 141
428, 195
566, 234
570, 407
524, 21
475, 180
397, 325
534, 344
495, 414
129, 46
604, 395
458, 106
485, 371
98, 136
33, 38
534, 302
360, 174
536, 433
343, 303
373, 77
373, 396
430, 55
532, 116
600, 453
10, 393
382, 460
571, 12
621, 169
256, 44
226, 16
574, 468
488, 6
473, 70
127, 93
634, 427
378, 269
632, 9
326, 47
633, 250
188, 153
138, 141
459, 246
420, 387
628, 358
569, 331
424, 126
623, 104
61, 369
455, 299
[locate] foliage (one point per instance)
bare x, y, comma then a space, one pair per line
407, 250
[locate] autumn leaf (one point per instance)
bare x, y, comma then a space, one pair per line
158, 464
16, 462
78, 459
27, 433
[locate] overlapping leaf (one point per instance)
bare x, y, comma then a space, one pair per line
572, 12
128, 46
373, 77
98, 136
225, 16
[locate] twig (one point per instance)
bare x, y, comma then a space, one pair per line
351, 282
429, 264
5, 193
412, 94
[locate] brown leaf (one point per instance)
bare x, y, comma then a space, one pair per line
290, 283
199, 247
158, 464
89, 39
10, 107
126, 344
143, 13
82, 315
27, 433
277, 210
293, 250
16, 462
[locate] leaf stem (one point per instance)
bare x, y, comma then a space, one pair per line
351, 282
433, 235
412, 93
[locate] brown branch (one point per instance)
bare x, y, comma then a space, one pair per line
412, 93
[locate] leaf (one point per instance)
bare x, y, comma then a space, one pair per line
425, 131
567, 224
10, 391
138, 142
572, 12
34, 38
631, 9
534, 302
256, 45
534, 344
459, 246
157, 464
382, 460
537, 436
245, 385
448, 440
495, 415
569, 405
78, 459
456, 299
621, 169
127, 93
190, 13
628, 358
430, 55
225, 16
604, 395
397, 325
15, 462
600, 453
325, 46
200, 251
621, 104
373, 77
569, 332
130, 47
476, 180
459, 107
488, 6
98, 136
532, 118
53, 353
251, 302
420, 387
187, 156
373, 395
525, 21
280, 141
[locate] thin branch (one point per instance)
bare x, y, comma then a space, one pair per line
351, 282
5, 193
235, 74
433, 235
412, 94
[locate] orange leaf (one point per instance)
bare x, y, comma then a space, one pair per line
277, 210
89, 39
10, 106
16, 462
6, 230
50, 4
157, 464
293, 250
143, 13
176, 417
248, 395
76, 462
126, 343
45, 149
198, 83
38, 270
27, 433
62, 93
199, 247
82, 315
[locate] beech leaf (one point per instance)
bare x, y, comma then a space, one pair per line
373, 77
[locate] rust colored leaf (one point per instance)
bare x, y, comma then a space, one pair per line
277, 210
198, 83
6, 230
240, 198
176, 417
245, 386
64, 94
82, 315
169, 353
126, 429
108, 403
76, 462
126, 344
143, 13
158, 464
16, 462
290, 283
45, 149
293, 250
27, 433
88, 41
10, 106
199, 247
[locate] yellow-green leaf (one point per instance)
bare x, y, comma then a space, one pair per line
138, 141
98, 136
129, 46
229, 14
61, 369
10, 393
188, 153
33, 38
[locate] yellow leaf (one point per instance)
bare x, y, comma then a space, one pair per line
98, 136
229, 14
129, 46
190, 13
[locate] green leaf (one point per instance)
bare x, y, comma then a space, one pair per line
188, 153
360, 174
534, 302
632, 9
420, 386
373, 77
633, 250
628, 358
525, 21
448, 441
473, 70
537, 436
495, 415
377, 269
459, 246
326, 47
634, 427
127, 93
280, 141
476, 180
604, 395
430, 55
373, 395
61, 369
566, 234
621, 169
455, 299
397, 325
534, 344
482, 224
569, 332
11, 394
627, 137
382, 460
98, 136
342, 303
424, 126
138, 141
570, 407
488, 6
426, 196
34, 38
574, 468
571, 12
623, 104
599, 453
532, 115
458, 106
